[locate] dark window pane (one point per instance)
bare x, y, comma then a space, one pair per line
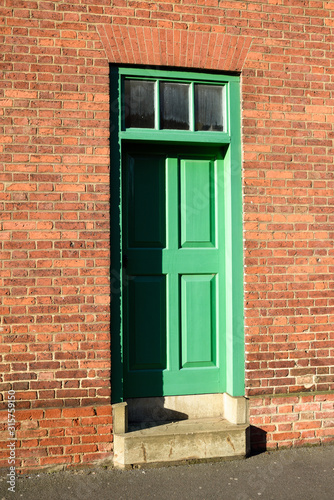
174, 106
139, 103
209, 110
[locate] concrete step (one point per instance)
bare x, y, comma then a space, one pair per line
184, 440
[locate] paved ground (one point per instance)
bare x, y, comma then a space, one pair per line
299, 474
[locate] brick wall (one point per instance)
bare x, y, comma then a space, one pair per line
54, 188
288, 221
291, 420
51, 437
54, 197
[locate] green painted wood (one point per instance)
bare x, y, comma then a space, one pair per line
172, 136
178, 75
235, 347
197, 203
116, 282
198, 314
146, 181
146, 316
188, 327
230, 351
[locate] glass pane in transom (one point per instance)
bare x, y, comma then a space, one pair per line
174, 106
139, 103
209, 107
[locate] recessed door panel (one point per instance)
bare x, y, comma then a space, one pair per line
198, 326
198, 201
146, 314
146, 186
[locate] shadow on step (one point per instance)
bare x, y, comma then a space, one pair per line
156, 412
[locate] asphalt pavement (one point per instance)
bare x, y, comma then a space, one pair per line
296, 474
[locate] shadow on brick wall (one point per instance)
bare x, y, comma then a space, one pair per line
257, 440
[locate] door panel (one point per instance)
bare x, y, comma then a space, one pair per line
197, 214
198, 327
147, 297
173, 305
146, 185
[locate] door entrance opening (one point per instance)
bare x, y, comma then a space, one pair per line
177, 264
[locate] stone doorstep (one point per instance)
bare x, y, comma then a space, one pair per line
185, 440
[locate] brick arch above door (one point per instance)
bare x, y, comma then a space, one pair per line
167, 47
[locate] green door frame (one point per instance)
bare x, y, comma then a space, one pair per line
231, 137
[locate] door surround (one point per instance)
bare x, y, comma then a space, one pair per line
230, 138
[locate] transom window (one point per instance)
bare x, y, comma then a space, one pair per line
174, 105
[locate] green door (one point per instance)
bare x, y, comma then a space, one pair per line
173, 259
